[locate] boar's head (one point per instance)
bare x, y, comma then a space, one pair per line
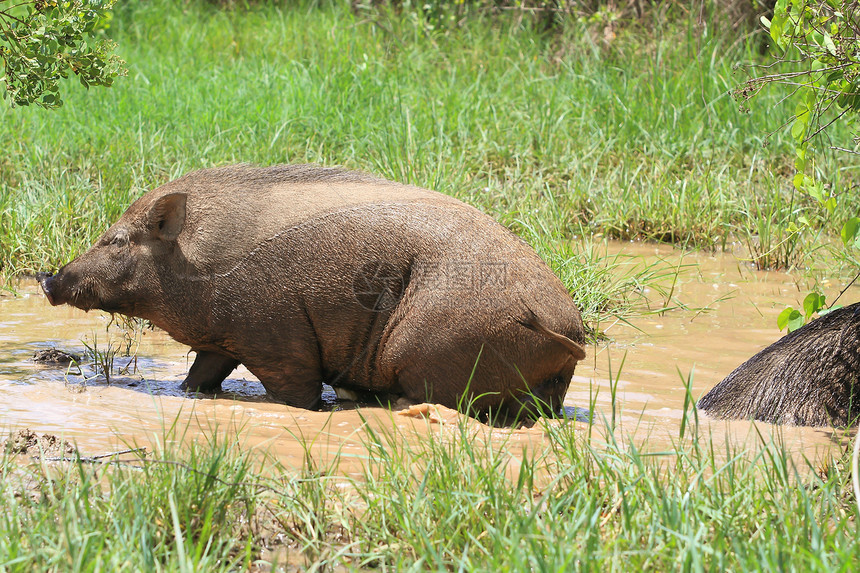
122, 271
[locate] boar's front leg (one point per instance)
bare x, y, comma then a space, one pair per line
208, 371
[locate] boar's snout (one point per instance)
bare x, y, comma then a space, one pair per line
46, 280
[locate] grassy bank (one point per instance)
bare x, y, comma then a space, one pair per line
560, 136
450, 502
633, 137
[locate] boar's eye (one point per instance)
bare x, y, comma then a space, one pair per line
120, 240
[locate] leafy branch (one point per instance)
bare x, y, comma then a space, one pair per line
41, 41
820, 40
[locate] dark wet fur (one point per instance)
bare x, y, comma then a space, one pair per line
807, 378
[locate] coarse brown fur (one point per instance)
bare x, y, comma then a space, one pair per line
807, 378
307, 275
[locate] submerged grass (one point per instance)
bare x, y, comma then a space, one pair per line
589, 499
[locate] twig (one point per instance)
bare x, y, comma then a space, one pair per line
91, 459
614, 509
135, 464
834, 148
845, 289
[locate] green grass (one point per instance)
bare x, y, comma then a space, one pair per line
585, 501
635, 139
82, 517
560, 137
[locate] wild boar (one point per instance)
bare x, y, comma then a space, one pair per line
807, 378
308, 275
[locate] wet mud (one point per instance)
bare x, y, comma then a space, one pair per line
28, 442
720, 313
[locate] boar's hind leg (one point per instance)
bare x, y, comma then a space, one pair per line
293, 382
208, 371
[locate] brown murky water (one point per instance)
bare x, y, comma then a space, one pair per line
730, 314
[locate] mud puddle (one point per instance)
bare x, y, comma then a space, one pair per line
724, 312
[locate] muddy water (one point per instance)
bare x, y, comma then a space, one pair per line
141, 404
723, 312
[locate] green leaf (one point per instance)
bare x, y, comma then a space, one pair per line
835, 76
798, 128
812, 188
782, 319
812, 303
824, 311
801, 151
809, 303
795, 321
848, 100
849, 230
789, 317
800, 165
776, 27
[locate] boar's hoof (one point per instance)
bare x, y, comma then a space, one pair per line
55, 357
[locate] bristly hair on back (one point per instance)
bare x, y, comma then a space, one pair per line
250, 176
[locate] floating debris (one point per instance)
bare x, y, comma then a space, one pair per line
29, 442
53, 356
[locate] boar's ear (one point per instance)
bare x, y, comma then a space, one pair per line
167, 216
